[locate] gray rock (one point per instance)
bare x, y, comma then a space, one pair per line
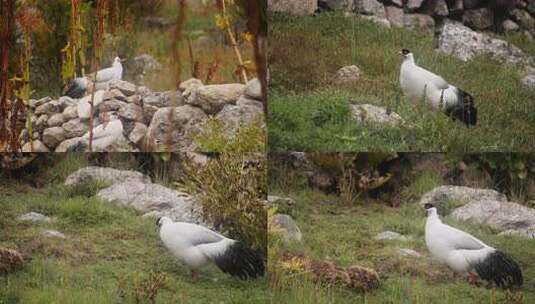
523, 18
55, 120
34, 217
244, 101
370, 7
66, 101
377, 20
176, 135
281, 201
53, 234
459, 40
107, 175
500, 215
75, 128
346, 5
367, 113
38, 146
459, 193
295, 7
212, 98
480, 19
420, 22
470, 4
406, 252
440, 8
164, 99
84, 104
127, 88
41, 123
53, 136
153, 199
234, 117
70, 112
131, 112
390, 236
528, 81
510, 26
253, 89
286, 226
112, 105
49, 108
76, 144
148, 113
115, 94
413, 5
36, 103
138, 133
395, 16
347, 74
187, 86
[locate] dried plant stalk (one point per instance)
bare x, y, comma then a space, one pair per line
7, 11
233, 41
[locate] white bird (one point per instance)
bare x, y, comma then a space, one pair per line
464, 253
196, 246
418, 83
79, 86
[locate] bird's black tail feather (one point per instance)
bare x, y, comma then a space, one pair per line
500, 269
464, 110
74, 89
241, 261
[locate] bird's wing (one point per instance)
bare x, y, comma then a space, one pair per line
458, 239
197, 235
431, 77
106, 75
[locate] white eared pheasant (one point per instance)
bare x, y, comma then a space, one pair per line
417, 83
464, 253
78, 86
197, 246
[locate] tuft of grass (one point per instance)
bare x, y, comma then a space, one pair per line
306, 52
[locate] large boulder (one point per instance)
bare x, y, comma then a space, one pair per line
234, 117
296, 7
212, 98
459, 40
154, 200
459, 193
176, 134
107, 175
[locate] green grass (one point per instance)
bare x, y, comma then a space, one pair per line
345, 234
108, 256
309, 112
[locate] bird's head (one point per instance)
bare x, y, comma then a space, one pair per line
162, 220
430, 209
405, 53
118, 60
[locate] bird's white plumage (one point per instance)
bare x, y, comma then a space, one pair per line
193, 244
453, 247
101, 79
115, 72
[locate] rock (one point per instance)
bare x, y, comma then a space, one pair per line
76, 144
528, 81
38, 146
34, 217
244, 101
53, 136
10, 260
295, 7
212, 98
148, 113
370, 7
398, 3
390, 236
127, 88
115, 94
510, 26
286, 202
53, 234
164, 99
36, 103
459, 193
111, 105
131, 112
339, 4
176, 135
138, 133
413, 5
48, 108
470, 4
367, 113
253, 89
55, 120
84, 105
66, 101
421, 22
523, 18
41, 123
187, 86
108, 137
406, 252
395, 16
70, 113
500, 215
153, 199
480, 19
286, 226
107, 175
380, 21
464, 43
440, 8
75, 128
347, 74
234, 117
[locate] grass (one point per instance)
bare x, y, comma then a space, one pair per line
110, 255
309, 112
346, 234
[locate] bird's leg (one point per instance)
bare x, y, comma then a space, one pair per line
194, 275
473, 279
